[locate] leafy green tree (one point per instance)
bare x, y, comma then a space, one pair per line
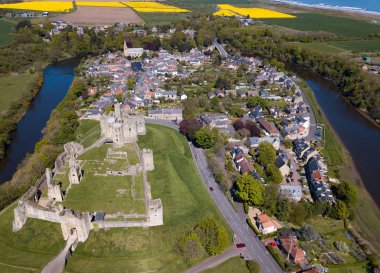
347, 192
119, 97
190, 246
271, 196
253, 266
204, 138
131, 83
273, 173
250, 190
267, 153
342, 210
213, 236
283, 210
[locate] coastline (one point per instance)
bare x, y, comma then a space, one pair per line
327, 7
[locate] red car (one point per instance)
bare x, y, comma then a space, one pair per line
211, 189
272, 244
240, 245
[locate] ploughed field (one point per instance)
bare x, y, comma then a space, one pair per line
185, 201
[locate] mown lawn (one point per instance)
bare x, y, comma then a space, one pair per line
88, 132
185, 202
12, 88
320, 22
33, 246
6, 29
349, 269
232, 265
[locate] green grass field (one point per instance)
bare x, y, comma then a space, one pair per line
88, 132
319, 22
185, 202
32, 247
162, 18
349, 269
342, 47
232, 265
12, 88
6, 29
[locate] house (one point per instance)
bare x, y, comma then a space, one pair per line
168, 113
289, 246
291, 192
242, 93
211, 95
256, 112
282, 164
265, 224
132, 52
232, 92
254, 142
271, 130
240, 161
219, 94
167, 95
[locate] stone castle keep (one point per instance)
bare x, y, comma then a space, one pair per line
43, 200
121, 127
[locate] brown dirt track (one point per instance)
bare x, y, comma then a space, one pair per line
101, 16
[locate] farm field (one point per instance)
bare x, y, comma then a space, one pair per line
229, 10
319, 22
235, 264
185, 202
100, 16
337, 47
5, 32
31, 247
12, 88
162, 18
40, 6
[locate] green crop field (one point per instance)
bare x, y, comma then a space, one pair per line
185, 202
31, 247
319, 22
12, 88
235, 264
162, 18
6, 29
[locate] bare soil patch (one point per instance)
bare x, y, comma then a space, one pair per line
101, 16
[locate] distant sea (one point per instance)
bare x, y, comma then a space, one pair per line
364, 5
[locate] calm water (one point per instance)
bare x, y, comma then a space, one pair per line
369, 5
57, 80
359, 136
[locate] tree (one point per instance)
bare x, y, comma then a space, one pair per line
213, 236
271, 196
190, 246
342, 247
273, 173
307, 233
283, 210
188, 127
244, 133
119, 97
131, 83
253, 266
238, 125
346, 192
252, 127
250, 190
204, 138
190, 109
342, 210
267, 154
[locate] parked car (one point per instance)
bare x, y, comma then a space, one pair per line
272, 244
240, 245
211, 189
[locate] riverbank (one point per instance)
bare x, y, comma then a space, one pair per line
366, 224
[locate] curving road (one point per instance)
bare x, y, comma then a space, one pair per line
255, 249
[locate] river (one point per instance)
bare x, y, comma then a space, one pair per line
57, 80
360, 137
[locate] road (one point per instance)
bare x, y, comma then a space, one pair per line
214, 261
255, 249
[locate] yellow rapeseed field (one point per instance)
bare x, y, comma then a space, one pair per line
40, 6
101, 4
251, 12
153, 7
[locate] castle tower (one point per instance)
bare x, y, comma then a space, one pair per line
118, 136
75, 174
117, 110
54, 191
